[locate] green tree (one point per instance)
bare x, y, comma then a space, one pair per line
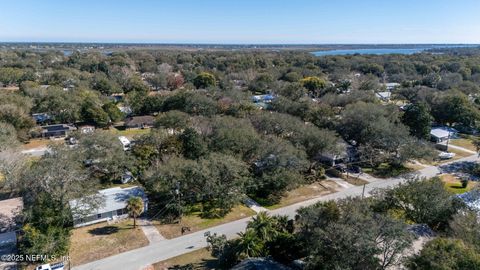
176, 120
113, 112
204, 80
93, 113
417, 117
455, 108
423, 202
135, 208
194, 146
445, 253
348, 235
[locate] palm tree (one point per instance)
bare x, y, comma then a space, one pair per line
249, 244
264, 226
135, 208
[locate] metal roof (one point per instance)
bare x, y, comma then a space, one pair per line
113, 199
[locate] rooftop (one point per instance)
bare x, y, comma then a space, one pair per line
9, 210
442, 132
113, 199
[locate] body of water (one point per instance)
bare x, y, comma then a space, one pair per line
380, 51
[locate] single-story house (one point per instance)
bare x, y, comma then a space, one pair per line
384, 96
145, 121
114, 206
260, 264
344, 153
60, 130
441, 134
391, 86
268, 98
9, 213
41, 118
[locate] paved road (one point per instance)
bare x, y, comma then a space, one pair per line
140, 258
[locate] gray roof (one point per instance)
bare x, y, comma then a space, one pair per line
113, 199
259, 264
441, 132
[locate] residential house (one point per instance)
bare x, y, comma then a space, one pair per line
263, 101
384, 96
114, 206
59, 130
145, 121
9, 212
391, 86
342, 154
442, 134
41, 118
260, 264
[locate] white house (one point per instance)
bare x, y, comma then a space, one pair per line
114, 206
441, 134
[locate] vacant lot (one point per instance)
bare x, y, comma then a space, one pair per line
199, 259
102, 240
306, 192
130, 133
197, 223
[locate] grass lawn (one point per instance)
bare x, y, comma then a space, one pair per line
465, 143
102, 240
197, 223
305, 192
453, 184
386, 170
130, 133
200, 259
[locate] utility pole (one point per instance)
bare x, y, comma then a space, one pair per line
363, 191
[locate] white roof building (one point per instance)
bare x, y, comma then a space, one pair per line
125, 142
113, 206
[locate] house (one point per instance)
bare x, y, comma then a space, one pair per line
442, 134
259, 264
9, 213
145, 121
60, 130
41, 118
114, 206
268, 98
391, 86
344, 153
125, 142
384, 96
125, 109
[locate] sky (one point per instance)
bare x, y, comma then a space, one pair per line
241, 21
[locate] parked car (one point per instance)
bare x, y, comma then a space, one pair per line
446, 155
